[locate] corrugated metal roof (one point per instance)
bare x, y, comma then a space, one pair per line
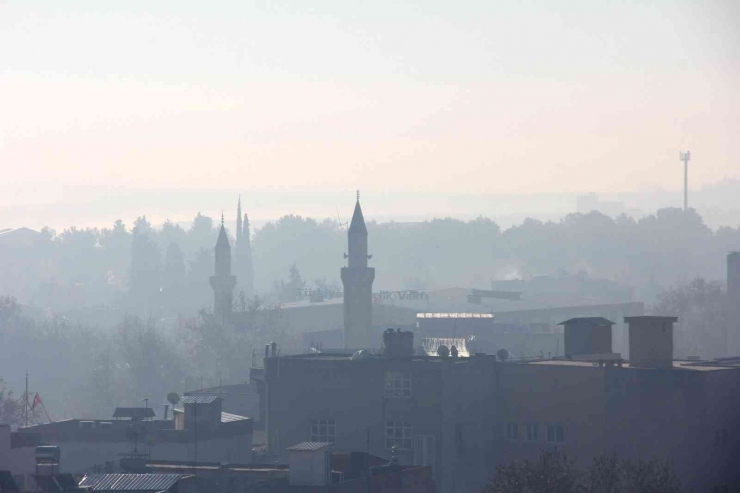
309, 446
228, 417
130, 482
199, 399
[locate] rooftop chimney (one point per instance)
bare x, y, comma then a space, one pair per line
398, 343
587, 335
651, 341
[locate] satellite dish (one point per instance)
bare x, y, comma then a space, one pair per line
502, 354
173, 398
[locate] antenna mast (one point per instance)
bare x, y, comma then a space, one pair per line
685, 156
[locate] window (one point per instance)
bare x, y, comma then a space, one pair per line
398, 434
512, 431
533, 432
397, 384
323, 430
555, 433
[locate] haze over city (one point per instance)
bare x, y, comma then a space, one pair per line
389, 247
103, 100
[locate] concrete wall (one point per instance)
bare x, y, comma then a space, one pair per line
85, 456
559, 394
309, 468
449, 402
676, 414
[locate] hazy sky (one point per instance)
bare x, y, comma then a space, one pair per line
459, 96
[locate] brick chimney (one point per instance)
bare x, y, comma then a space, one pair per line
651, 341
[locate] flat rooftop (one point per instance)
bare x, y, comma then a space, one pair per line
454, 315
677, 364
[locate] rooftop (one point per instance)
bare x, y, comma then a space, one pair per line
677, 364
454, 315
309, 446
588, 321
134, 412
130, 482
199, 399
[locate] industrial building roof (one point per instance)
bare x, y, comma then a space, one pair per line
454, 315
309, 446
130, 482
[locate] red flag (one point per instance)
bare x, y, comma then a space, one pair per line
36, 401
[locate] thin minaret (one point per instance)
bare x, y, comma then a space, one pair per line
222, 281
238, 222
358, 279
247, 270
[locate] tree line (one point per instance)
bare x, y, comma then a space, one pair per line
165, 270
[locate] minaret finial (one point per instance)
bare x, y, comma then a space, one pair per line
222, 217
358, 195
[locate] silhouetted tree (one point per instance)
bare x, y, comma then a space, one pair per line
173, 282
703, 317
11, 408
554, 472
145, 266
292, 290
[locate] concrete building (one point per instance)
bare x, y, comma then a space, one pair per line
357, 279
433, 411
222, 281
464, 416
200, 432
312, 467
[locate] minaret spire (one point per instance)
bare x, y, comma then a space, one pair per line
358, 279
222, 281
238, 223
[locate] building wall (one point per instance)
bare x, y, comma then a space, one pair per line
84, 449
309, 468
85, 456
674, 414
570, 396
449, 402
687, 415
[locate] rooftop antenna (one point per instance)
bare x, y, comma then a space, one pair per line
685, 156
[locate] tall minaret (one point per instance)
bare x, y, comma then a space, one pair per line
358, 279
238, 223
222, 281
247, 269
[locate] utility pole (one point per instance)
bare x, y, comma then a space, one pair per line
685, 156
